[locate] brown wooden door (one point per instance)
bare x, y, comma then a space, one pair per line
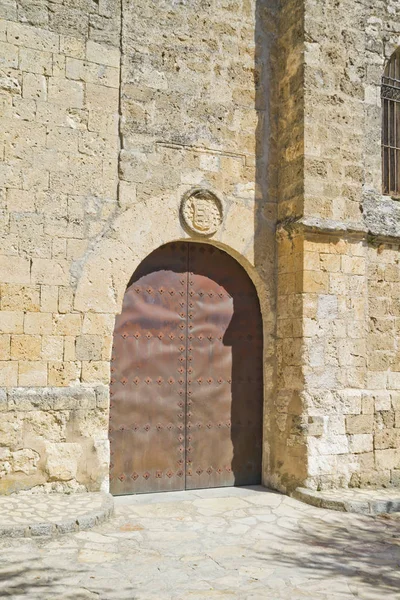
186, 375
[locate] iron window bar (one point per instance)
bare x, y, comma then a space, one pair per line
390, 94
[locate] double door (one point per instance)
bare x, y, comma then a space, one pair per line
186, 375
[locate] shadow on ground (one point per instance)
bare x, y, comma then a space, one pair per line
362, 551
29, 580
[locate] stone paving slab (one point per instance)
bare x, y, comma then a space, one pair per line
25, 515
230, 544
353, 500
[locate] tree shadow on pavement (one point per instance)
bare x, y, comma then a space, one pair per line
31, 580
362, 551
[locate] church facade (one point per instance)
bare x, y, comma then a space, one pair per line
135, 134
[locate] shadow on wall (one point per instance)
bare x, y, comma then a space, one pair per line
355, 555
279, 122
266, 205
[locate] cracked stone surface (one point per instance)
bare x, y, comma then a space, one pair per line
244, 543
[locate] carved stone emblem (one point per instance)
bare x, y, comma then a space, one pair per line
201, 211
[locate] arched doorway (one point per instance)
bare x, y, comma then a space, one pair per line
186, 375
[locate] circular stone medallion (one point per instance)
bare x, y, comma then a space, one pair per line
201, 211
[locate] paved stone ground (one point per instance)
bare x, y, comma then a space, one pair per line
49, 514
246, 544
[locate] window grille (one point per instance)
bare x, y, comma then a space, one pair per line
390, 93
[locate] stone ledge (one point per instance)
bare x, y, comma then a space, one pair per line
38, 515
366, 502
381, 225
24, 399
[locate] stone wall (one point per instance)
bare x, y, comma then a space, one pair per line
59, 96
347, 273
108, 118
94, 162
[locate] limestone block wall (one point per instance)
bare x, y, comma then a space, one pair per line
108, 118
110, 112
347, 270
59, 98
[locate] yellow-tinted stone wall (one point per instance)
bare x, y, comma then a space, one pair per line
108, 119
59, 143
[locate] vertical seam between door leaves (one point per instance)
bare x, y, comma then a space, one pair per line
186, 351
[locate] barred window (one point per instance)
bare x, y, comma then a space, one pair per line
390, 93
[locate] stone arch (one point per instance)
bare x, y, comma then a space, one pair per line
103, 274
114, 257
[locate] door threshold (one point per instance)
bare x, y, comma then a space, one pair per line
189, 495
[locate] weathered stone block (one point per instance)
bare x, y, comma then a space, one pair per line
38, 323
387, 459
30, 37
9, 55
67, 324
25, 461
11, 321
98, 324
101, 98
62, 460
69, 348
102, 54
32, 373
48, 298
335, 444
34, 86
66, 92
5, 347
102, 396
20, 201
25, 347
359, 424
91, 72
95, 371
367, 404
63, 373
14, 269
127, 193
36, 61
72, 46
359, 443
387, 438
3, 400
394, 381
20, 297
353, 265
44, 425
10, 431
51, 272
52, 347
89, 347
382, 401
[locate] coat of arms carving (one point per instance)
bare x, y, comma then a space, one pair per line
201, 211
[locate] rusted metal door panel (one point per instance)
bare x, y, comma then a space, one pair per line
186, 388
224, 414
148, 378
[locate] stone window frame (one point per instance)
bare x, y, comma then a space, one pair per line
390, 136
